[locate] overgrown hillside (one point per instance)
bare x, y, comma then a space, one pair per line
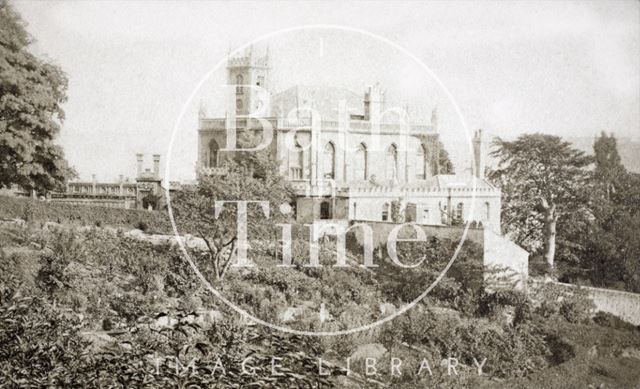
99, 308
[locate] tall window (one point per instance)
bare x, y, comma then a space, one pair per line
239, 83
260, 81
296, 162
487, 211
385, 212
459, 213
391, 162
213, 153
239, 105
421, 163
329, 169
325, 210
361, 162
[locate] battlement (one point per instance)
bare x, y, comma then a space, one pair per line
387, 191
248, 61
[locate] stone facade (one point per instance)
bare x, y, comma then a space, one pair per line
366, 160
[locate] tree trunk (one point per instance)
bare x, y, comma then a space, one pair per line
550, 220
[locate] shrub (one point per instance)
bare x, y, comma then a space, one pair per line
605, 319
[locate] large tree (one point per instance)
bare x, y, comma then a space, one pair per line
31, 93
611, 245
544, 180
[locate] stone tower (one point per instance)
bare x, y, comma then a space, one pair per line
250, 75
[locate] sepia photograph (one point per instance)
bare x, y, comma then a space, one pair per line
320, 194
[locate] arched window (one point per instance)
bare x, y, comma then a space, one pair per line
213, 153
239, 105
385, 212
487, 211
325, 210
239, 83
361, 172
296, 162
329, 168
391, 162
421, 163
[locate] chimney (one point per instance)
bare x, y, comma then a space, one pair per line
478, 154
139, 161
156, 165
373, 101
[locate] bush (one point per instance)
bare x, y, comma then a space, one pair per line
605, 319
571, 303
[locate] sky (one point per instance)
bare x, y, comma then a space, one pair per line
564, 68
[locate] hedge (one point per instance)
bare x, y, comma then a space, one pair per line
43, 211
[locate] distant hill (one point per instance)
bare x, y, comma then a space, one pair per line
628, 148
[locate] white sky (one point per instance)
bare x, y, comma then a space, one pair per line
567, 68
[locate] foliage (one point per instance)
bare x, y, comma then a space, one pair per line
87, 215
252, 177
572, 304
606, 319
53, 276
609, 171
608, 244
543, 181
435, 255
444, 162
43, 347
32, 91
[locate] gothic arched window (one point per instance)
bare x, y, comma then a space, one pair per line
361, 162
213, 153
239, 83
329, 168
239, 105
391, 162
421, 163
487, 211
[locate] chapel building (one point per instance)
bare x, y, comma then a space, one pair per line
348, 156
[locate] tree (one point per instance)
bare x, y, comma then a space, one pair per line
31, 93
609, 171
611, 246
543, 180
248, 176
445, 164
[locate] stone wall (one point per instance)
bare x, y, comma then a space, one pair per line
625, 305
507, 262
